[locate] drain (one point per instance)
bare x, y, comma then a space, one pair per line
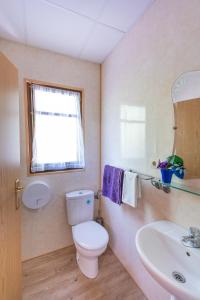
178, 277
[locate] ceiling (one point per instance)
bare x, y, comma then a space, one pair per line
85, 29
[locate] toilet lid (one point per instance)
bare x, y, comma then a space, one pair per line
90, 235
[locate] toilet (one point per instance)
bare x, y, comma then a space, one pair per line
90, 238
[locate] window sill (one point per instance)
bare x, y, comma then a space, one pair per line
55, 172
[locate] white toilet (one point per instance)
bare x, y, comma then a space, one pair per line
90, 238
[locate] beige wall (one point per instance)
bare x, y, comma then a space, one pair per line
137, 122
47, 230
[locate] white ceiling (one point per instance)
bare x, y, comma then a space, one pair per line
86, 29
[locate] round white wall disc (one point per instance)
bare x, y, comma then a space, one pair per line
36, 195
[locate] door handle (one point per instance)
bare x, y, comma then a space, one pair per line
18, 190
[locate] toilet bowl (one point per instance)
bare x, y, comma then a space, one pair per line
90, 238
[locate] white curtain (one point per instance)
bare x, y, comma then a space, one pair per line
56, 129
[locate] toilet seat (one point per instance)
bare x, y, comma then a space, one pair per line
90, 235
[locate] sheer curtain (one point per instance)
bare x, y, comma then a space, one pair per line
57, 135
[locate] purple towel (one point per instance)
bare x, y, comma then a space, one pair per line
112, 183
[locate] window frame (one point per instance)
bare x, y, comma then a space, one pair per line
28, 123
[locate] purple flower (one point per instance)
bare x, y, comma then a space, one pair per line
162, 164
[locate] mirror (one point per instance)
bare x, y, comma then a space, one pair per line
186, 102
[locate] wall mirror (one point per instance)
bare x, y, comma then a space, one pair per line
186, 103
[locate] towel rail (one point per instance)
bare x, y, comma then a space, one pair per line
142, 175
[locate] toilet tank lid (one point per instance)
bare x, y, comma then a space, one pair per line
79, 194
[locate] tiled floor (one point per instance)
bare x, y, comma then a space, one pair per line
55, 276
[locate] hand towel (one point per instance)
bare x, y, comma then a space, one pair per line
112, 183
131, 189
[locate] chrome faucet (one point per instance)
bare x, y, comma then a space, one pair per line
193, 239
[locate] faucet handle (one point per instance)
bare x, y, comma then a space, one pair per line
194, 231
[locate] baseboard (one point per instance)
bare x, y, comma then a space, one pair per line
50, 252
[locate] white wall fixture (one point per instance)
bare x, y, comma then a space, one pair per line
166, 257
36, 195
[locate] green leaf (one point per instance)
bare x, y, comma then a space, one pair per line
175, 161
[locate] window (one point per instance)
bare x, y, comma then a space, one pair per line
55, 129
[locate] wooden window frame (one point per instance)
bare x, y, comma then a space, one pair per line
28, 122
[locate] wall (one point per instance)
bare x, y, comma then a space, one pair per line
47, 230
137, 121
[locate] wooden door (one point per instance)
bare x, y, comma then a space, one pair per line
10, 260
188, 135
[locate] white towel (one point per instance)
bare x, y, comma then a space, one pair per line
131, 189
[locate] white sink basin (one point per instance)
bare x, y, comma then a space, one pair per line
162, 253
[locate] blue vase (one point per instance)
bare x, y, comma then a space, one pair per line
166, 175
180, 173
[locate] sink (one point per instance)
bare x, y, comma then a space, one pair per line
174, 266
